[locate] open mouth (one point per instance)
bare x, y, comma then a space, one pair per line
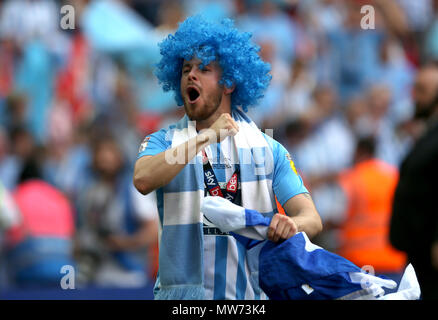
193, 94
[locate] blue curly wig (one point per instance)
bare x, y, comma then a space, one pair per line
237, 56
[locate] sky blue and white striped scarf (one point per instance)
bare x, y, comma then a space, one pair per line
181, 237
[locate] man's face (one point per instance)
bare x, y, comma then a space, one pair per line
424, 92
200, 89
108, 159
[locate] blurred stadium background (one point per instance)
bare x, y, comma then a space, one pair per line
75, 105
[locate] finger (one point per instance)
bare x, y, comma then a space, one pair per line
276, 228
224, 132
235, 125
272, 228
286, 232
279, 230
291, 233
226, 115
286, 227
294, 227
232, 132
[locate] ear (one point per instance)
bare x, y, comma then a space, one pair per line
229, 90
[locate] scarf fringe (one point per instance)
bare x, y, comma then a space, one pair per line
195, 292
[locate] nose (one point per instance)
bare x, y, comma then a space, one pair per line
192, 75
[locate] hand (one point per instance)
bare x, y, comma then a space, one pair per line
282, 227
223, 127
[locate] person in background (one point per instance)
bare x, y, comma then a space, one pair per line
115, 232
39, 245
368, 187
414, 222
20, 146
16, 110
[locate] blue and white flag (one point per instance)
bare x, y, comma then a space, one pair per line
297, 269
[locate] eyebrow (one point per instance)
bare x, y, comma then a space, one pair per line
189, 64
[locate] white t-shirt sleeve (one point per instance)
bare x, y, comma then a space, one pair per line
145, 207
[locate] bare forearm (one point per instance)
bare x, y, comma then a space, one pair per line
153, 172
303, 211
309, 222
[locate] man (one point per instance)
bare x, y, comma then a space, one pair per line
414, 223
214, 70
114, 235
40, 243
368, 188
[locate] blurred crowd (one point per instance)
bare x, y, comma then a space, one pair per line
75, 104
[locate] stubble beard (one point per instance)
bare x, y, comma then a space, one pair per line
208, 109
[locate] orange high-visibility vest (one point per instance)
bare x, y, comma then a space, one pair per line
279, 207
364, 237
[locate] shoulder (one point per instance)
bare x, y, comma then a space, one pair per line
163, 136
155, 142
275, 146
